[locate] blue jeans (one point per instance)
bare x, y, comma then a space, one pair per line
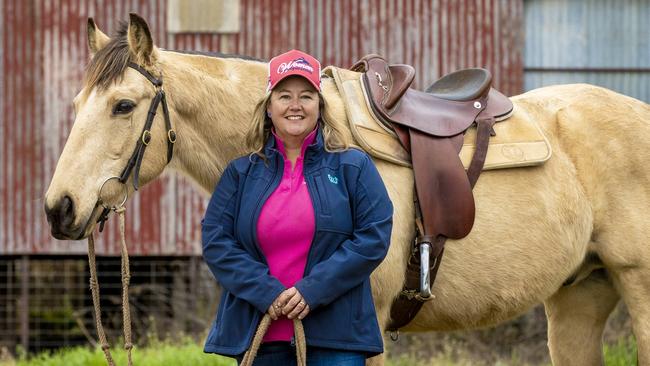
283, 353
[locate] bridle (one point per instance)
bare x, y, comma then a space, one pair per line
133, 166
145, 137
143, 142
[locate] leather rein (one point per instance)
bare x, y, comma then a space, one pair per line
133, 166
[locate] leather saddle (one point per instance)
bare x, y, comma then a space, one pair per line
430, 126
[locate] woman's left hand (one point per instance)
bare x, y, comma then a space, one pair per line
295, 305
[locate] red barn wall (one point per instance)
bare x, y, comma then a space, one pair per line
43, 54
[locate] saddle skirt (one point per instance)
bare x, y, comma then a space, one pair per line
518, 143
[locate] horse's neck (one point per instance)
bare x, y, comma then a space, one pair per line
212, 101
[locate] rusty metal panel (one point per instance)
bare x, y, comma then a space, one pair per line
43, 55
3, 121
436, 37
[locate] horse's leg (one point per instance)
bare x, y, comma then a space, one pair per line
623, 248
576, 319
634, 286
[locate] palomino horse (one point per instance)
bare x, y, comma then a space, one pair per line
571, 233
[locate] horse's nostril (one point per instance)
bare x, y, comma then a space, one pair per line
66, 211
66, 204
61, 217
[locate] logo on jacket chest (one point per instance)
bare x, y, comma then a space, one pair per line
333, 179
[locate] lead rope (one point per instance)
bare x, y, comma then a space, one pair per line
94, 288
299, 334
126, 277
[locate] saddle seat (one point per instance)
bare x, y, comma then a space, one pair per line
461, 85
455, 103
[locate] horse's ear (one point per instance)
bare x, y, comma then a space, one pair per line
140, 41
96, 38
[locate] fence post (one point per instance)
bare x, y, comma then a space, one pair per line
194, 288
24, 302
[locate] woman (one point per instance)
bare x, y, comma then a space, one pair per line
294, 230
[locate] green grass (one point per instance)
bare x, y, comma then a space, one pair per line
189, 352
622, 353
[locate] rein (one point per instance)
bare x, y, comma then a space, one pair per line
134, 162
299, 333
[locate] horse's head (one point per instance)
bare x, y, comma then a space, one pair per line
111, 110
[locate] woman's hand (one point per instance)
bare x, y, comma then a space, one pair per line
289, 303
275, 310
296, 306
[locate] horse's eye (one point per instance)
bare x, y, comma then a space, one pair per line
123, 107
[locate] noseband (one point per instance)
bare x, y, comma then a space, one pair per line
145, 137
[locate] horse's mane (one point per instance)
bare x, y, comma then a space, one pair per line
109, 63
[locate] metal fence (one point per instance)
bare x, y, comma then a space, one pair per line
45, 301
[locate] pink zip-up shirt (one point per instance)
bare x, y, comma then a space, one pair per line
285, 230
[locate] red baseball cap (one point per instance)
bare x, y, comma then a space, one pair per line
294, 62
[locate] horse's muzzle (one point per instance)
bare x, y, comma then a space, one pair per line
61, 217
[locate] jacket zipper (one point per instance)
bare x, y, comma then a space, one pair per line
310, 183
258, 210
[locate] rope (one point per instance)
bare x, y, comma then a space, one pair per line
301, 344
94, 289
126, 276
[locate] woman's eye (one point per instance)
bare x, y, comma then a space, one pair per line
306, 96
284, 96
123, 107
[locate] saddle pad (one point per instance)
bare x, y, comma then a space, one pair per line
518, 142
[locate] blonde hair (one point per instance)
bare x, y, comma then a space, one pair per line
260, 130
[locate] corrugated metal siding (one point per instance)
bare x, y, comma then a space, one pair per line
607, 39
3, 172
44, 54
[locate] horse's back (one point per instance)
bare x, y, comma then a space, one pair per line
587, 104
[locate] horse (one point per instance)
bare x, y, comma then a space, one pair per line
571, 233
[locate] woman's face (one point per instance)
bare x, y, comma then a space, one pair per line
294, 109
